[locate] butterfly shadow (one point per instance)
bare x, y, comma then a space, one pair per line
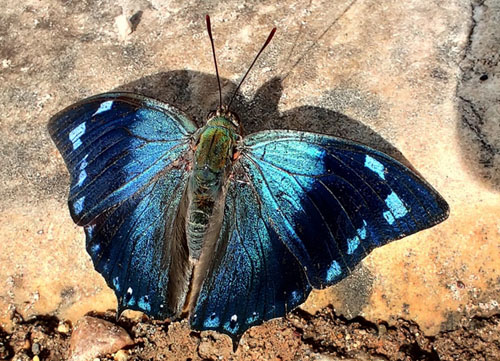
196, 94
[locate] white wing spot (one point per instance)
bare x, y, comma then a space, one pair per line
75, 134
375, 166
333, 272
104, 107
253, 318
396, 207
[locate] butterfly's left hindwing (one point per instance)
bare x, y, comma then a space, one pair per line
302, 210
254, 277
128, 157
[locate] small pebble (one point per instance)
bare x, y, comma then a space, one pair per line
93, 336
63, 328
121, 355
27, 344
123, 25
35, 348
382, 329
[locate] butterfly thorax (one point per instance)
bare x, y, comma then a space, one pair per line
212, 162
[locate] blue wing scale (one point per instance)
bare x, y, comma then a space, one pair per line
332, 200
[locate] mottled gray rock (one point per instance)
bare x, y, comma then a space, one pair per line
479, 95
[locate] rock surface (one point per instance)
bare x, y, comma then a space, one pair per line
93, 337
407, 78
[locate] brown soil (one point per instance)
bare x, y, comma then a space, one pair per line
325, 336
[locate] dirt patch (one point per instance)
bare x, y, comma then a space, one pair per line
325, 336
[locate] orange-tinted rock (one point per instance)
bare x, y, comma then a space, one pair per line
389, 74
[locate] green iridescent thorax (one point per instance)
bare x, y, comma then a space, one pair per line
215, 146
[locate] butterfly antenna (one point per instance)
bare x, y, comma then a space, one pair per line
254, 60
209, 29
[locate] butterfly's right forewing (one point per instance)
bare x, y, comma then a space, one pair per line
129, 158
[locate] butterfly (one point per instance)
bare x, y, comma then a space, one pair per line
228, 230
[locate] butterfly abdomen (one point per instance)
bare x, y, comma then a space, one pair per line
212, 162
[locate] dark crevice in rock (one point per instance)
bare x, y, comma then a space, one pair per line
474, 127
473, 6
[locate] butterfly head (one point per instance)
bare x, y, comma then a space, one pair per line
223, 112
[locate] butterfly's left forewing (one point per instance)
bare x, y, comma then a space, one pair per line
302, 210
128, 157
332, 201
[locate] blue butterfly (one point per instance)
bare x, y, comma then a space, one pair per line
229, 230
